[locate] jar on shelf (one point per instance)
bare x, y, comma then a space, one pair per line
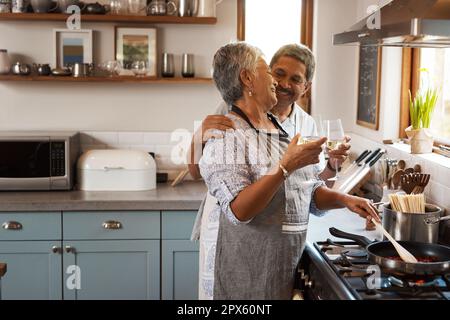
4, 62
5, 6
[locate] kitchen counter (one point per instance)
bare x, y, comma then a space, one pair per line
185, 196
342, 219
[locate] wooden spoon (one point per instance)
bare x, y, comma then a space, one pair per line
402, 252
396, 178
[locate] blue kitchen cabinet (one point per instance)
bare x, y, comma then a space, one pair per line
111, 269
30, 245
179, 256
114, 254
34, 270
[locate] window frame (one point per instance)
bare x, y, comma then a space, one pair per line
306, 36
410, 81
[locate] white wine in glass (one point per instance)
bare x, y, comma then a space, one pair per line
335, 135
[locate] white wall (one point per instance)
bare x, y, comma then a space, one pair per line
390, 86
334, 90
113, 106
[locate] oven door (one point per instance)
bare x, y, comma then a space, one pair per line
25, 164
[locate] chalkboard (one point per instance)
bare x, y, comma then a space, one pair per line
369, 86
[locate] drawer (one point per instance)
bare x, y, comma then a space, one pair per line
105, 225
177, 225
30, 226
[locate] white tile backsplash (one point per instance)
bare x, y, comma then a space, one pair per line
437, 191
131, 138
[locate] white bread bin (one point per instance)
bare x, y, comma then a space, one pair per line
116, 170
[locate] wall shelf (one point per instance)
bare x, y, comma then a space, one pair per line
118, 79
107, 18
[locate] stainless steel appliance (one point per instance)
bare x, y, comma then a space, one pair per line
403, 23
38, 160
342, 271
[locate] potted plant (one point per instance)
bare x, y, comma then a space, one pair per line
421, 111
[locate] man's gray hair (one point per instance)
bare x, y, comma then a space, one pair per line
299, 52
228, 63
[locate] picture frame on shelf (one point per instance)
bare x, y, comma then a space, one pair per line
72, 46
136, 50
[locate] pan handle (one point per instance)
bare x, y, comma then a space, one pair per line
361, 240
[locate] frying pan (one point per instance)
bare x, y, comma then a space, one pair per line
381, 253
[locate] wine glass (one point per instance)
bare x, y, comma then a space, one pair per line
139, 68
335, 135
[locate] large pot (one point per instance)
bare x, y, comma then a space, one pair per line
417, 227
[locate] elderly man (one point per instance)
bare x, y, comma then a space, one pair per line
293, 68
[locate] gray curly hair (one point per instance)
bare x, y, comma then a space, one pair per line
299, 52
228, 63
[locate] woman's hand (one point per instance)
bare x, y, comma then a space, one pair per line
362, 207
299, 156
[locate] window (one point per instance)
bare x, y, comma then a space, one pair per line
437, 63
271, 24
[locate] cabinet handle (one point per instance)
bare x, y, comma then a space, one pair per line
112, 225
56, 249
69, 249
12, 225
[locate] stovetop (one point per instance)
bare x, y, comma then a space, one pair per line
366, 281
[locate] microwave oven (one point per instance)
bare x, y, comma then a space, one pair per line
38, 160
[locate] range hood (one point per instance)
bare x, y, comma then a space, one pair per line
404, 23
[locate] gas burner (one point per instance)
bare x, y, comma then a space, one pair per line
355, 272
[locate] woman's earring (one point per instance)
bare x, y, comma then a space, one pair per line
250, 93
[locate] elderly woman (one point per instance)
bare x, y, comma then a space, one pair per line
265, 186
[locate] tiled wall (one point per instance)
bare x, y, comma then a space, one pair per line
438, 189
169, 149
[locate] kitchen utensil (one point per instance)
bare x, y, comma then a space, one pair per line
188, 8
401, 164
64, 4
21, 69
396, 179
5, 6
409, 182
137, 7
402, 252
180, 177
207, 8
187, 65
423, 182
409, 170
61, 72
352, 180
20, 6
43, 6
43, 69
161, 8
139, 68
417, 168
168, 69
355, 163
383, 253
81, 69
94, 8
420, 227
4, 62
